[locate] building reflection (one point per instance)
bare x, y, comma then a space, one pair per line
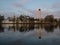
39, 33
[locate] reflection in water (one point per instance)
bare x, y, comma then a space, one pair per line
59, 26
1, 28
39, 33
26, 33
21, 27
49, 28
29, 27
11, 28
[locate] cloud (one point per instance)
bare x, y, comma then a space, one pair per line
56, 9
56, 5
57, 14
20, 3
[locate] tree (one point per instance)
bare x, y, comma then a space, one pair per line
49, 18
1, 18
21, 17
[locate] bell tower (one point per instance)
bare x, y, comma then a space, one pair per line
39, 14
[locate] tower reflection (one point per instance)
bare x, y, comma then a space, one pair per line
39, 32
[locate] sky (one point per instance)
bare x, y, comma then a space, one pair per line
29, 7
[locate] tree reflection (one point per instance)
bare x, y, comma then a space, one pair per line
29, 27
55, 26
26, 28
22, 27
49, 28
1, 28
59, 26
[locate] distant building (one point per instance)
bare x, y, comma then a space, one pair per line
39, 14
6, 21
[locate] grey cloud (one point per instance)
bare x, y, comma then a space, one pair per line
57, 14
56, 6
20, 2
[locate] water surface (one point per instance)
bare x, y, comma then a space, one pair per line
29, 34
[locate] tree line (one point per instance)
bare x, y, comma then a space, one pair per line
48, 19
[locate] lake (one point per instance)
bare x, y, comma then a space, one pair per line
29, 34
